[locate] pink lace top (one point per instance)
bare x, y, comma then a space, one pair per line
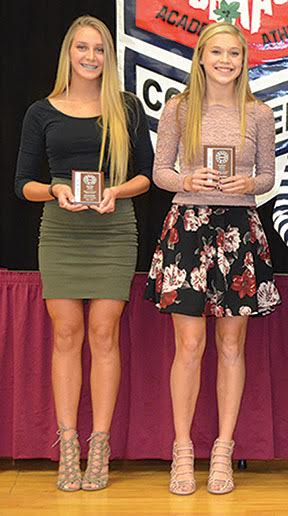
220, 126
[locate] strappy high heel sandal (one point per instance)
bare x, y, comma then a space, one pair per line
69, 473
182, 481
221, 466
96, 474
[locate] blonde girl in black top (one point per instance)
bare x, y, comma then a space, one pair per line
86, 123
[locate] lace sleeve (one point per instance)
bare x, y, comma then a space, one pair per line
169, 132
265, 153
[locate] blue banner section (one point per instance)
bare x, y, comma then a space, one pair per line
265, 69
155, 83
274, 87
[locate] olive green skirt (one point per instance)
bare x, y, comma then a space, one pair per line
86, 255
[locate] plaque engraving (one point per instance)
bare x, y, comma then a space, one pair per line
220, 158
87, 186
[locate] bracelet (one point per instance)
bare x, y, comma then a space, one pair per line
50, 191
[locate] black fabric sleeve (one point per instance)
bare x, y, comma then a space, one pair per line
141, 146
31, 151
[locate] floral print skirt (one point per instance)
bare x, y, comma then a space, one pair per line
212, 261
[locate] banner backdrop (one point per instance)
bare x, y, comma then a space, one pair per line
155, 42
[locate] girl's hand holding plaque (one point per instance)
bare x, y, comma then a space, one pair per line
202, 180
108, 202
237, 185
65, 197
88, 190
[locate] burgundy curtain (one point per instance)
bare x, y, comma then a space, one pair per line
142, 424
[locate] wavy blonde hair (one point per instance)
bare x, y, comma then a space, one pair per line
195, 90
114, 114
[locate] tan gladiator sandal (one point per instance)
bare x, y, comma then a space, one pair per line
69, 473
182, 466
96, 474
221, 464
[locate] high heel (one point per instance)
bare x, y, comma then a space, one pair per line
182, 465
69, 474
96, 474
221, 465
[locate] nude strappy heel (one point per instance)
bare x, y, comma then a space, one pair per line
182, 467
221, 464
69, 474
96, 474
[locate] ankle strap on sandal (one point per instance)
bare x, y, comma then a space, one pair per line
227, 445
61, 431
102, 436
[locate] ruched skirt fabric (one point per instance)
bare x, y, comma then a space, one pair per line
212, 261
85, 255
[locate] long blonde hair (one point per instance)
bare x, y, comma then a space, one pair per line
114, 114
195, 90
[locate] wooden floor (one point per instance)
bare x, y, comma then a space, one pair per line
27, 488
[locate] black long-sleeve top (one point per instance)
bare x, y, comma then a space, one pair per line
74, 143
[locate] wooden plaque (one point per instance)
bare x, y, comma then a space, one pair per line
87, 186
220, 158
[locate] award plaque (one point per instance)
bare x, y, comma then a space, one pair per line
220, 158
87, 186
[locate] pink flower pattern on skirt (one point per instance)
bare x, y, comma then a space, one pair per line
157, 263
199, 278
257, 234
206, 261
192, 222
170, 220
173, 278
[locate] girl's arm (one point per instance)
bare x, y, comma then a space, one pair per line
264, 177
168, 136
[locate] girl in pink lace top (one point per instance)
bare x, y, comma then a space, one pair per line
212, 258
